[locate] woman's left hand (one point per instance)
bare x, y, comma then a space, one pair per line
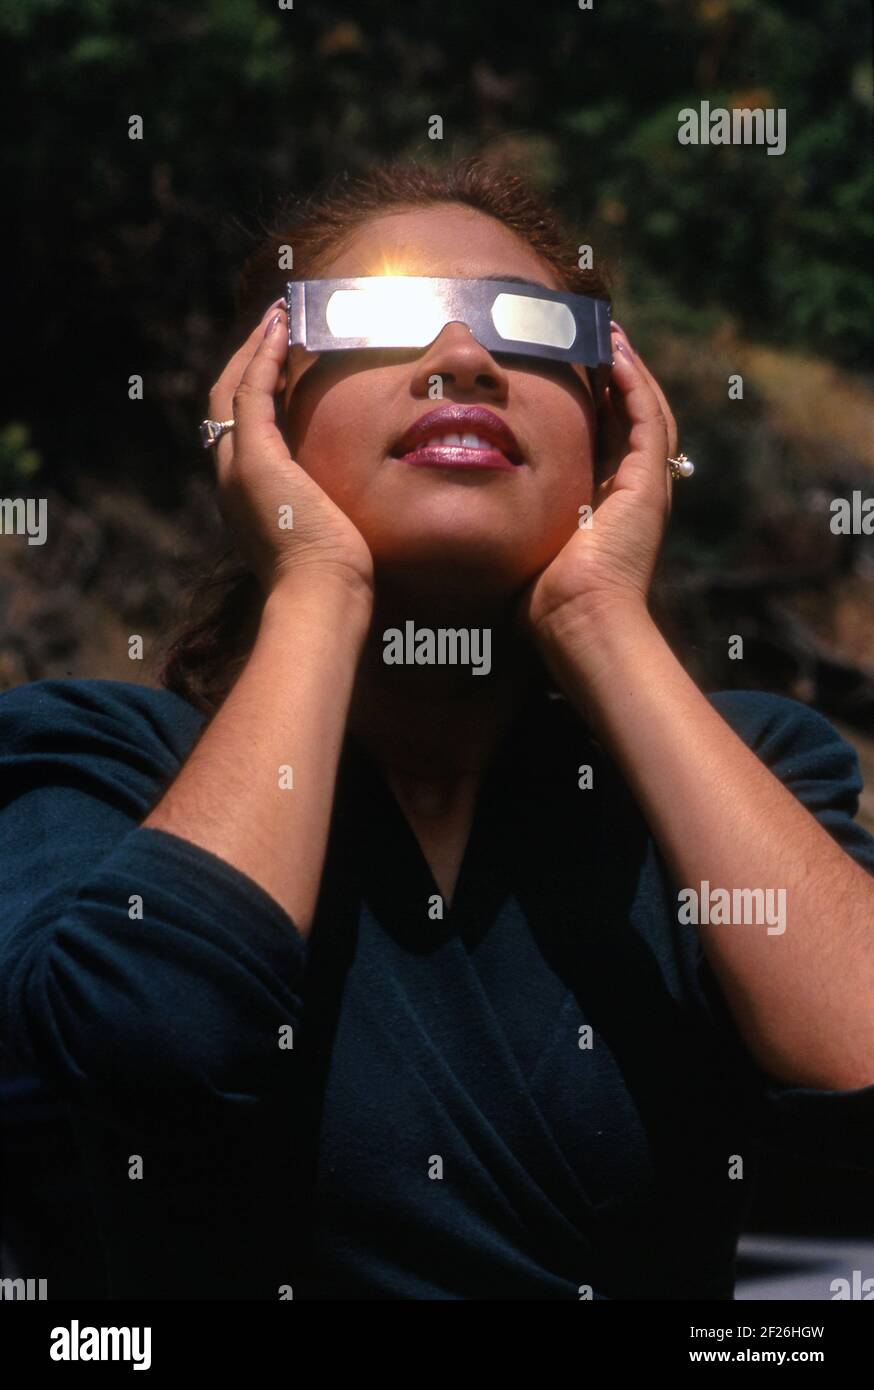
606, 567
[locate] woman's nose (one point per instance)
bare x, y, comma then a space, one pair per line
458, 359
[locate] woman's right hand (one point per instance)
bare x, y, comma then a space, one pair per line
258, 480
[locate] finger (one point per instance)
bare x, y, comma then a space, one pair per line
670, 422
254, 406
612, 437
668, 414
645, 462
222, 393
221, 397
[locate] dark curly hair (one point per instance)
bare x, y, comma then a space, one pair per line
213, 642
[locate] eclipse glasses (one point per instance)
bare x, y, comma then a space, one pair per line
408, 311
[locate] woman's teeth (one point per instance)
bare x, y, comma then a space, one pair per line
464, 441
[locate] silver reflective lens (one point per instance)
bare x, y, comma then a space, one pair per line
389, 311
525, 319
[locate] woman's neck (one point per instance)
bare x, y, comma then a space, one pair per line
437, 721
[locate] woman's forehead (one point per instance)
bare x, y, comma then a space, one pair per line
443, 240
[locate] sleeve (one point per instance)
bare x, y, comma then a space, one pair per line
135, 967
822, 770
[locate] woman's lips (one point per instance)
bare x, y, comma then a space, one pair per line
459, 436
456, 456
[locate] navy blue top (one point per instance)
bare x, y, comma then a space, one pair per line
435, 1129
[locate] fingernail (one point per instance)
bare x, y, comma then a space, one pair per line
277, 318
623, 336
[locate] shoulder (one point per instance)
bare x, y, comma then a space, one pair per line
789, 736
758, 715
763, 720
97, 716
797, 743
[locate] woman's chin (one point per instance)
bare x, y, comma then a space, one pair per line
472, 575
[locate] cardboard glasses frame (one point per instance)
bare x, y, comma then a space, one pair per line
409, 311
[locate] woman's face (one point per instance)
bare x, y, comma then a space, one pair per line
443, 529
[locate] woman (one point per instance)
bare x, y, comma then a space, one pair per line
372, 980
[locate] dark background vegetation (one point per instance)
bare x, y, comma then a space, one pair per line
725, 259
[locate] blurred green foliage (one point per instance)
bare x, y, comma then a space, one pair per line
18, 462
